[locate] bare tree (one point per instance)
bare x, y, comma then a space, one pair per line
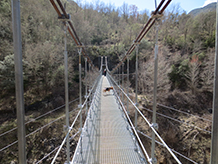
133, 10
192, 76
125, 11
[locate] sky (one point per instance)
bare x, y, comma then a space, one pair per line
186, 5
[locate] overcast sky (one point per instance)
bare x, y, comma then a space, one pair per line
186, 5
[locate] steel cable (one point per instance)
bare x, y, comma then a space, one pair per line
55, 149
131, 124
144, 31
36, 130
71, 29
161, 105
34, 119
178, 120
71, 127
183, 112
205, 119
150, 125
49, 122
170, 148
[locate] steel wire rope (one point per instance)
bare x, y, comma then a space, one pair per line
71, 29
46, 124
150, 125
71, 137
34, 119
131, 124
170, 148
63, 142
40, 127
183, 112
145, 30
178, 120
180, 112
55, 149
97, 91
68, 133
70, 128
36, 130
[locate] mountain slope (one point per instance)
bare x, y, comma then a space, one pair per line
210, 7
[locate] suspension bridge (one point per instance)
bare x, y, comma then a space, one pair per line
108, 134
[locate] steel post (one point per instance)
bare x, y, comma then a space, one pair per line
118, 80
119, 76
214, 141
80, 87
155, 94
127, 84
122, 81
15, 5
155, 4
86, 84
106, 63
136, 84
66, 91
101, 62
90, 84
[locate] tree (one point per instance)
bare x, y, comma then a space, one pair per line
133, 12
125, 11
143, 17
192, 75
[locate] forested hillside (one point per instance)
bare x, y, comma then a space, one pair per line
186, 56
208, 8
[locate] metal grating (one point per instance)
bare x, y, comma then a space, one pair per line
105, 137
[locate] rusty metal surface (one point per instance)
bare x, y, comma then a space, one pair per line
106, 136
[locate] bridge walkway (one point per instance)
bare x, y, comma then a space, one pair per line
106, 136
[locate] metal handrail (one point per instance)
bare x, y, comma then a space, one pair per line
131, 124
95, 94
171, 149
72, 125
11, 144
63, 142
150, 125
171, 108
178, 121
55, 149
34, 119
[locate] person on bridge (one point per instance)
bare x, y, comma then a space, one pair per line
105, 71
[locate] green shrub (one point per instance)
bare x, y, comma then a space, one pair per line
177, 74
